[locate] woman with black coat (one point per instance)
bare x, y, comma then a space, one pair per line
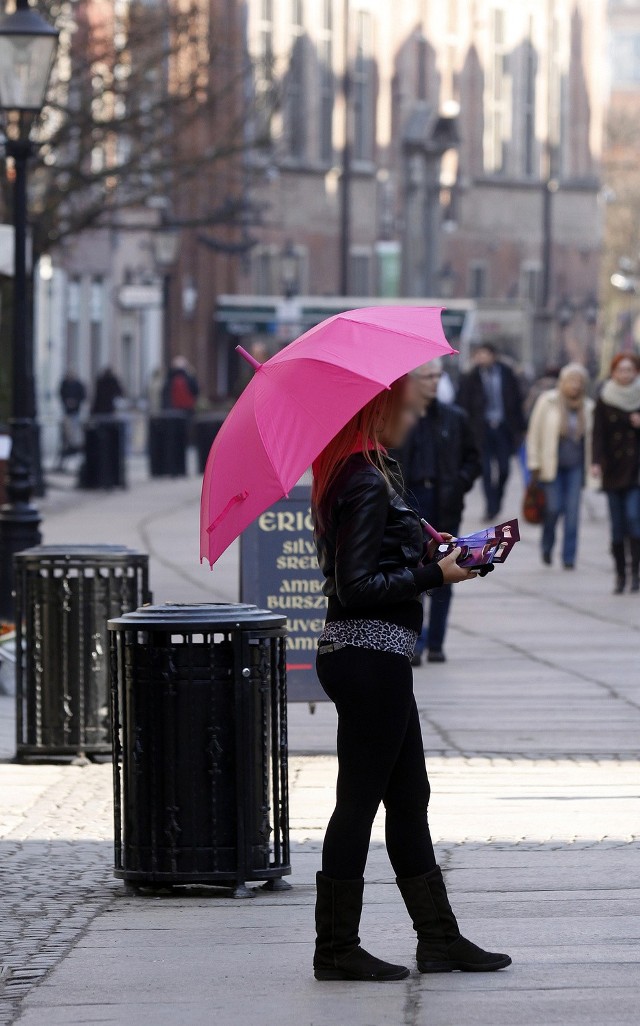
616, 458
376, 563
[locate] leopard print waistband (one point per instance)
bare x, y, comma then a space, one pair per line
377, 634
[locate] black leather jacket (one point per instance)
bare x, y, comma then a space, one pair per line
370, 548
457, 460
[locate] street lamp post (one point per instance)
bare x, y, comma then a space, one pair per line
27, 49
166, 246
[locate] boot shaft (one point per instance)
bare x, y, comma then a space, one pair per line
338, 911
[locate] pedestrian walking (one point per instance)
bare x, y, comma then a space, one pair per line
440, 462
559, 457
72, 394
107, 391
616, 459
490, 393
181, 387
155, 388
372, 552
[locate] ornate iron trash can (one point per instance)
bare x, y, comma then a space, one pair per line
168, 440
104, 464
199, 720
64, 597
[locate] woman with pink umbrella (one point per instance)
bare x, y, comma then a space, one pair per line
372, 552
337, 398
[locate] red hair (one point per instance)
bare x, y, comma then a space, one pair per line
360, 434
619, 357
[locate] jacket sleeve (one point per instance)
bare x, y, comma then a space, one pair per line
597, 441
470, 463
520, 421
361, 522
534, 455
465, 393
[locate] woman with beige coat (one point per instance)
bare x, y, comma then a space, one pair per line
559, 456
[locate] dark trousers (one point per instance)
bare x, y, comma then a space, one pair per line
562, 499
496, 461
435, 628
624, 513
380, 759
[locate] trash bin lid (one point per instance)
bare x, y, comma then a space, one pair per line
89, 553
198, 616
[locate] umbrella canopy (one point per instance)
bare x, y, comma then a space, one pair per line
297, 402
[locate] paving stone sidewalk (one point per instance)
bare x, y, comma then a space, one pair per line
531, 732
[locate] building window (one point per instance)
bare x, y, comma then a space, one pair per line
556, 101
625, 59
128, 359
363, 89
96, 317
296, 106
360, 273
477, 279
264, 266
73, 324
497, 114
265, 36
421, 67
529, 101
531, 282
327, 87
264, 72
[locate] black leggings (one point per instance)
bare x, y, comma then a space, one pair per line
380, 758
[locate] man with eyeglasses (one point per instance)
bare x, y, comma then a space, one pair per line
490, 394
439, 463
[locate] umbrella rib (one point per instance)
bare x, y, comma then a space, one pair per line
263, 371
398, 331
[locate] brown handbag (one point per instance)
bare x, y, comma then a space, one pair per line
534, 503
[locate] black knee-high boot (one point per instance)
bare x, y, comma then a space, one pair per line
620, 560
338, 954
441, 946
635, 564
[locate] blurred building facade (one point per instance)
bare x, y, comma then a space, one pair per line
621, 183
472, 132
475, 139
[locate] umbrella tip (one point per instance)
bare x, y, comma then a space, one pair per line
249, 358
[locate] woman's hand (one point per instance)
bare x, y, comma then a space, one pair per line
596, 470
451, 572
635, 420
432, 547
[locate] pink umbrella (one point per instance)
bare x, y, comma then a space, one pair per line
297, 402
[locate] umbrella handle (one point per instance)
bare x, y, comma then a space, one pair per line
432, 531
248, 357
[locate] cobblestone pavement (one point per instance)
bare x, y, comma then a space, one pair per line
531, 731
55, 867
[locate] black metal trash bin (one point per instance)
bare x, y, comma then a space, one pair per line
168, 436
199, 721
64, 597
206, 427
104, 464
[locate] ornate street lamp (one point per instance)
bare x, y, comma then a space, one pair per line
27, 50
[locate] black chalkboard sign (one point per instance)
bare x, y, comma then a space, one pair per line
279, 571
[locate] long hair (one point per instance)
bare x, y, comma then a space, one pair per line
575, 406
360, 434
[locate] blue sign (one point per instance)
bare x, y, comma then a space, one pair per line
279, 571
